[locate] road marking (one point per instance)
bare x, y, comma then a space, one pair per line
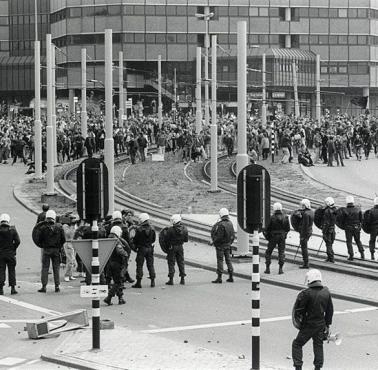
4, 326
29, 306
124, 172
9, 361
245, 322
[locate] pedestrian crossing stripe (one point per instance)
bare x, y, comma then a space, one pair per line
4, 326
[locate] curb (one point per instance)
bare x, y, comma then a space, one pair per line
75, 363
19, 199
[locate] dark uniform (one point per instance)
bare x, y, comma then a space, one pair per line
9, 241
223, 235
305, 232
51, 240
314, 304
114, 268
177, 235
373, 223
351, 218
328, 229
143, 241
276, 233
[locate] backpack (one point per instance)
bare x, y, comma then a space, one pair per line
340, 219
366, 222
295, 219
164, 245
318, 217
36, 233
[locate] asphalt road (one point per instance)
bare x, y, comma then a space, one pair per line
212, 316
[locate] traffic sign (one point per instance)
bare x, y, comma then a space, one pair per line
93, 291
253, 198
92, 189
83, 248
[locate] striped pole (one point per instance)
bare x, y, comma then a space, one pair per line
255, 302
95, 281
273, 142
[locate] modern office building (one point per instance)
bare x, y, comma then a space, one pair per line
343, 32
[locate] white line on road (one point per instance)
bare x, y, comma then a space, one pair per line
28, 306
246, 322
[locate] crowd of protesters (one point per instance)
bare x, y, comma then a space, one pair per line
330, 141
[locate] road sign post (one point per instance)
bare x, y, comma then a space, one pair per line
93, 205
253, 208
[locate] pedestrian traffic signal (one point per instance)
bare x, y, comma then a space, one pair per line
253, 198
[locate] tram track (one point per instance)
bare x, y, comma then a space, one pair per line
200, 232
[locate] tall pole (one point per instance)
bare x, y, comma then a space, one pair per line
37, 111
53, 102
295, 83
207, 114
49, 128
84, 117
109, 141
198, 92
160, 104
95, 272
318, 104
175, 89
255, 301
125, 91
121, 110
214, 127
242, 157
263, 108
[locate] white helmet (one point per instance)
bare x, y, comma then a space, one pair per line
376, 201
223, 212
329, 201
277, 206
144, 217
51, 214
313, 275
305, 203
175, 219
349, 199
4, 219
116, 230
117, 215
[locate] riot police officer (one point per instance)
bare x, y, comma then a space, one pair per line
373, 227
51, 240
142, 243
350, 219
176, 236
9, 241
305, 230
276, 233
223, 235
115, 265
42, 216
312, 315
328, 227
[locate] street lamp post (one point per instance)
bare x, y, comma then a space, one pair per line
109, 141
318, 104
198, 92
263, 108
121, 96
214, 127
84, 93
37, 111
53, 103
160, 104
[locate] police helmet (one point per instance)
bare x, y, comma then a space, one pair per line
117, 215
305, 203
4, 219
329, 201
116, 230
143, 217
277, 207
313, 275
376, 201
223, 212
175, 219
349, 199
51, 214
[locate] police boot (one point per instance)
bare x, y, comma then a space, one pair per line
152, 282
129, 279
108, 300
43, 289
1, 290
182, 281
231, 278
121, 300
372, 256
57, 289
170, 281
267, 269
280, 270
13, 290
218, 280
362, 255
137, 284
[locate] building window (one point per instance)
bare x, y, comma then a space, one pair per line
75, 12
225, 68
101, 11
314, 39
323, 12
128, 38
295, 14
281, 13
333, 39
150, 10
88, 11
114, 9
273, 40
352, 40
233, 11
352, 13
264, 12
181, 10
181, 38
223, 38
201, 40
281, 40
333, 13
254, 12
333, 69
171, 10
295, 41
323, 69
161, 38
304, 39
343, 40
139, 38
139, 9
150, 38
223, 11
313, 12
359, 68
362, 13
343, 69
323, 40
343, 13
264, 39
303, 12
362, 40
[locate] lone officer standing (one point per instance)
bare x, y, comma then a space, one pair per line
9, 241
142, 243
328, 227
312, 315
305, 230
350, 219
223, 235
51, 240
276, 233
176, 236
